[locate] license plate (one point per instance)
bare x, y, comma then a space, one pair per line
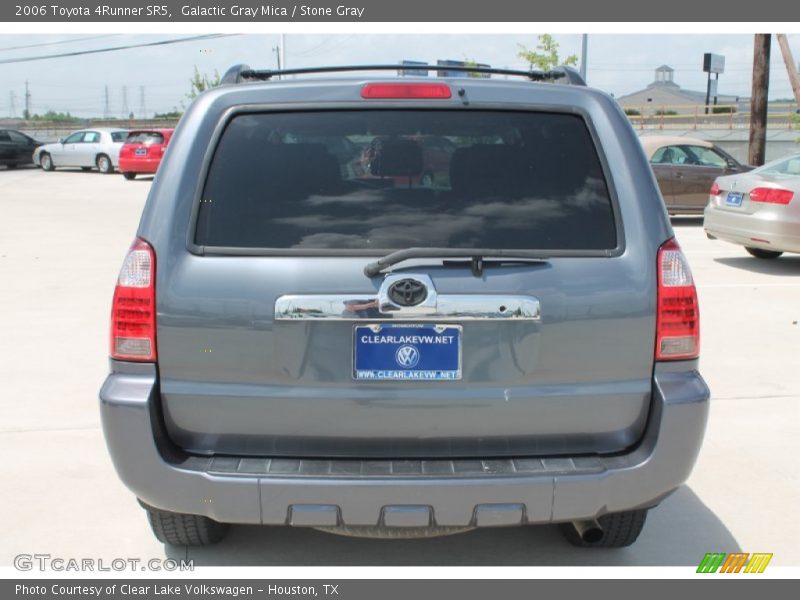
407, 352
141, 152
733, 199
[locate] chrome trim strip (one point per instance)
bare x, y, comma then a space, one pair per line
455, 307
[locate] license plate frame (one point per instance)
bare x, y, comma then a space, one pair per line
428, 356
734, 199
141, 152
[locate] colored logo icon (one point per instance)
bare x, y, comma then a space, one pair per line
736, 562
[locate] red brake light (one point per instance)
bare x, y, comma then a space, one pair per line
133, 311
714, 189
771, 195
678, 314
406, 91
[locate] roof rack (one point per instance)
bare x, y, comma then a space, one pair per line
563, 74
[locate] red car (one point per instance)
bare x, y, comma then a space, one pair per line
143, 151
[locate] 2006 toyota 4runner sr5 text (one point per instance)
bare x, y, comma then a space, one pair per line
404, 306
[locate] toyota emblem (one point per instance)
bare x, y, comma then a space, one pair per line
408, 292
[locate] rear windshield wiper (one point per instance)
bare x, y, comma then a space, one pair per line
476, 256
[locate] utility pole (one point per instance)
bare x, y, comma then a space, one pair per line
106, 106
125, 111
584, 50
27, 113
791, 67
283, 49
759, 99
142, 105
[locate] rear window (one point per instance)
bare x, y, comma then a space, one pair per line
145, 137
384, 180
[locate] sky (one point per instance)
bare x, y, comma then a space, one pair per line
159, 75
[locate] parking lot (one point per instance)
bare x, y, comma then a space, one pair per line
62, 238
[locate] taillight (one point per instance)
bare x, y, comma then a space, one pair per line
133, 312
678, 317
771, 195
714, 191
401, 91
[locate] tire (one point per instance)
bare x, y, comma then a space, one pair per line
46, 162
129, 176
179, 529
104, 164
765, 254
619, 530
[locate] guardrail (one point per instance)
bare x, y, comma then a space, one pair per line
719, 116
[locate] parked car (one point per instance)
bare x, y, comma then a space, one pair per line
292, 345
16, 148
143, 150
685, 168
88, 148
759, 210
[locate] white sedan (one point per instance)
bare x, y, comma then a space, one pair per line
88, 148
759, 210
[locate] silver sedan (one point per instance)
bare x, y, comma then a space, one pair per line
88, 148
759, 210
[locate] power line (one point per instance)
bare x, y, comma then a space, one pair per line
194, 38
58, 43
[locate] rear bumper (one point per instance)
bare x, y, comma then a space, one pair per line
764, 229
401, 493
130, 165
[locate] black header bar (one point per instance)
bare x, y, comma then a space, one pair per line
441, 11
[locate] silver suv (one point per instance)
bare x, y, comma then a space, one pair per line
403, 307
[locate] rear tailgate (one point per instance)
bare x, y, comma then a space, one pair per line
286, 222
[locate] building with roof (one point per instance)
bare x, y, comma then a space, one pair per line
663, 94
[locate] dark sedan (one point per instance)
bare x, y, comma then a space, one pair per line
685, 169
16, 148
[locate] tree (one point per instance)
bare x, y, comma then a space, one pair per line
545, 55
468, 62
202, 82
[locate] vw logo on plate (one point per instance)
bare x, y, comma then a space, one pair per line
407, 357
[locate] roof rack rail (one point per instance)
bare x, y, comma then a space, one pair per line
241, 73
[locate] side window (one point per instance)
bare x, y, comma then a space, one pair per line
91, 137
75, 138
706, 157
19, 138
4, 137
670, 155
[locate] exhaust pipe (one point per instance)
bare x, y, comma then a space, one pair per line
589, 530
